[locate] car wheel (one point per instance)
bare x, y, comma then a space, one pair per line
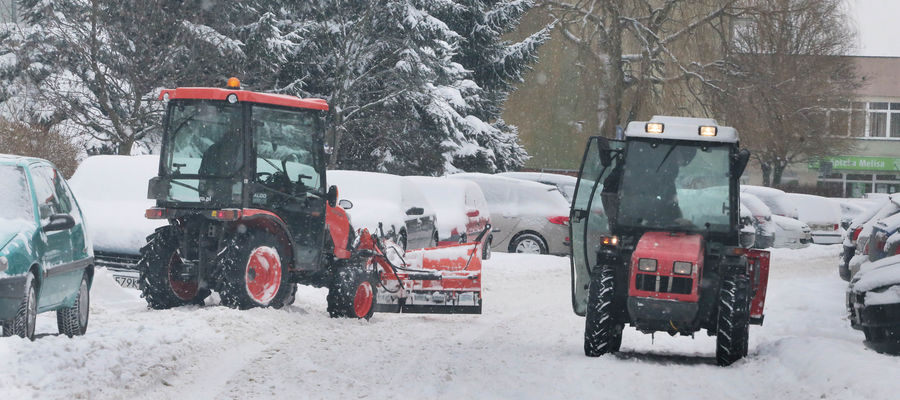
24, 322
528, 243
73, 321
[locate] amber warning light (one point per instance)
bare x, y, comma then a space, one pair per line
234, 83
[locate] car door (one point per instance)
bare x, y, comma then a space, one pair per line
588, 220
56, 246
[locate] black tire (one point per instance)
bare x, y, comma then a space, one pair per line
733, 325
529, 243
486, 248
602, 333
73, 321
237, 279
352, 290
159, 286
26, 316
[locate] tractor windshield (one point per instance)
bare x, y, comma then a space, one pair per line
675, 186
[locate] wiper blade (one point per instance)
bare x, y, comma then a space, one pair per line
666, 157
185, 185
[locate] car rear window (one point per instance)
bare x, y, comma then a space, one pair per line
15, 198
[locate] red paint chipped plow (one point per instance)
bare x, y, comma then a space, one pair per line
440, 280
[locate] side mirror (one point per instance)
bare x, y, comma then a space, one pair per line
59, 222
743, 157
345, 204
473, 213
332, 195
415, 211
605, 157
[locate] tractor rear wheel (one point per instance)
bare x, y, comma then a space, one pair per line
733, 325
351, 292
602, 334
163, 281
253, 272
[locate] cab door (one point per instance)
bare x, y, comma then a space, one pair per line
588, 220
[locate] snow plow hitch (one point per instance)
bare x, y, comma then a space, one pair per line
438, 280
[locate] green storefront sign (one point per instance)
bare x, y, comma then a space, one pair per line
854, 163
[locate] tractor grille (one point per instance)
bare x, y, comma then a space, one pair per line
663, 284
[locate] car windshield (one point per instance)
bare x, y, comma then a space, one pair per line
15, 198
680, 186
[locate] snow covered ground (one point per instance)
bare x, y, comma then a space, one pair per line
526, 345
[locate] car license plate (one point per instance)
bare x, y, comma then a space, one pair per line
127, 281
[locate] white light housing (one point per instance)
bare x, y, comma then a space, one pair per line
4, 264
166, 96
682, 267
654, 127
647, 265
708, 131
232, 98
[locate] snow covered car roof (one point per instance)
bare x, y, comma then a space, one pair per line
889, 224
565, 183
773, 198
112, 193
378, 197
756, 206
815, 209
517, 197
682, 128
877, 274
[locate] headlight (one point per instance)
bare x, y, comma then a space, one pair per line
682, 267
647, 265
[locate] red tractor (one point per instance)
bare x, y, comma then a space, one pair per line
242, 183
656, 237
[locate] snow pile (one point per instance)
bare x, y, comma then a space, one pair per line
112, 194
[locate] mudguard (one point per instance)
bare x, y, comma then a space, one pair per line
758, 261
338, 224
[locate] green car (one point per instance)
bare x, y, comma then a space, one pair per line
46, 260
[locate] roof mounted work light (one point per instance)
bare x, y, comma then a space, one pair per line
708, 131
654, 127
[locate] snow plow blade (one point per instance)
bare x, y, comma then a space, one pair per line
438, 280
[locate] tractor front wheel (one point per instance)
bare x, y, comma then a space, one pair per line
733, 325
255, 273
351, 293
601, 332
165, 278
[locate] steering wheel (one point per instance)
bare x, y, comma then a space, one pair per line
264, 177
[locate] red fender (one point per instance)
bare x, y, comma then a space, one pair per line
271, 223
339, 228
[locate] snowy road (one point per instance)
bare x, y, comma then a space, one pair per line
527, 344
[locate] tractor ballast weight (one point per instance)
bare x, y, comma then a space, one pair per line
242, 183
656, 238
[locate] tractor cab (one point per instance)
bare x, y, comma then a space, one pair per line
656, 218
228, 151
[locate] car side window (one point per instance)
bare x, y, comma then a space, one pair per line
48, 204
62, 194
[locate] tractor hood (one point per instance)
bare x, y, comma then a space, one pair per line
667, 265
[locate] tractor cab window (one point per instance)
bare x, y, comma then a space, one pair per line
675, 186
287, 153
205, 140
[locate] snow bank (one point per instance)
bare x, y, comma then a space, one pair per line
112, 193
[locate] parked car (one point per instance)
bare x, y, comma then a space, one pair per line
564, 183
773, 198
112, 191
850, 210
873, 302
748, 228
823, 215
405, 214
791, 233
460, 208
885, 238
762, 216
856, 236
46, 257
527, 217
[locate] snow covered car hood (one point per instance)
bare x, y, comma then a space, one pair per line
9, 229
877, 274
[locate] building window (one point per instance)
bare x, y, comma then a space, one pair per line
883, 120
